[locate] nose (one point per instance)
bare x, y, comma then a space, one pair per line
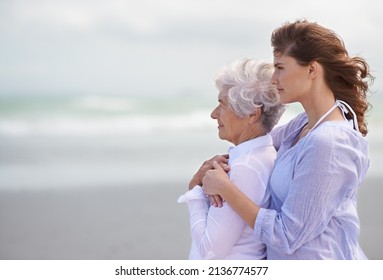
213, 114
274, 78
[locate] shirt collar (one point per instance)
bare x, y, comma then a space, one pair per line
245, 147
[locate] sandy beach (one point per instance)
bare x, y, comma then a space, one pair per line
125, 223
103, 223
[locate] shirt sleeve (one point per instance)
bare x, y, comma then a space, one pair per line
214, 230
326, 174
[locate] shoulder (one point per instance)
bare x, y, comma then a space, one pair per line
281, 132
294, 123
299, 120
335, 133
257, 161
335, 138
335, 147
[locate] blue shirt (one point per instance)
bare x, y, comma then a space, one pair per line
313, 187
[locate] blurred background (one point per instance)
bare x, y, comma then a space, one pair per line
104, 116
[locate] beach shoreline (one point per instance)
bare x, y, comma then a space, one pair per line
140, 222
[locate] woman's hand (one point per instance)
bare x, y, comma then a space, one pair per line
216, 200
216, 181
206, 166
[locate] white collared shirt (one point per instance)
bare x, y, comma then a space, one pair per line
220, 233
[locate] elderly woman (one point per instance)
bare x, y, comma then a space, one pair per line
248, 109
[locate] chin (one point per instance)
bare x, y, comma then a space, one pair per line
222, 137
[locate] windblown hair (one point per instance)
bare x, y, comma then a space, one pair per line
247, 85
348, 77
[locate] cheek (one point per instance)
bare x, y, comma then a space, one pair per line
222, 115
283, 77
227, 119
276, 75
288, 81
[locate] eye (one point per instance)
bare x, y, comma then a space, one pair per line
278, 66
223, 106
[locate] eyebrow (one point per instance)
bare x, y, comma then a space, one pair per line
278, 64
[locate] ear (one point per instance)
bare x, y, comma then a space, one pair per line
313, 68
255, 117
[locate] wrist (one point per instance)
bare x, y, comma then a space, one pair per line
228, 191
193, 183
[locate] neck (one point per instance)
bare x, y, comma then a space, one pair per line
319, 104
253, 133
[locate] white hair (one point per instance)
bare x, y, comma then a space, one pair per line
247, 85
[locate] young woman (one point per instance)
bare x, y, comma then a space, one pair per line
322, 153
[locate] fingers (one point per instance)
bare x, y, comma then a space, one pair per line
225, 167
219, 166
216, 201
216, 165
220, 159
212, 201
209, 165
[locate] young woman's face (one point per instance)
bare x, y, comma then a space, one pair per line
290, 78
230, 127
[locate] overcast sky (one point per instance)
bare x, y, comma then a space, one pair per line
158, 47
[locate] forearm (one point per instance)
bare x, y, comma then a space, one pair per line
216, 182
214, 231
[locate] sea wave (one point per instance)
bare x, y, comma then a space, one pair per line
82, 125
110, 125
102, 103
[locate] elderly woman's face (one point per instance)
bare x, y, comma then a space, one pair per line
230, 127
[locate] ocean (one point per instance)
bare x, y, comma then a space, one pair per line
143, 145
92, 141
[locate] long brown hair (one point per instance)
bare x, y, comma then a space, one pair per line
347, 77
